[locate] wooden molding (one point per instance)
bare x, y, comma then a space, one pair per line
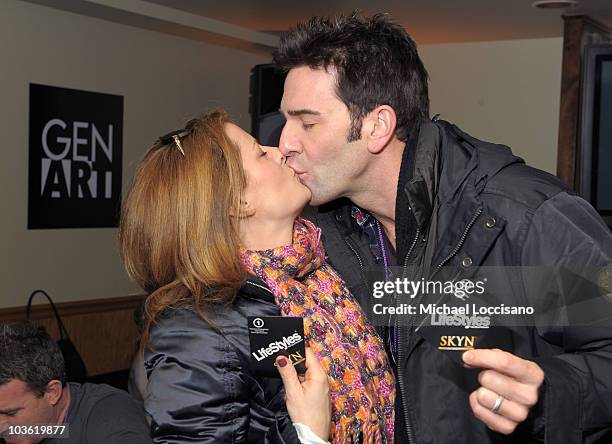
102, 330
570, 99
72, 308
579, 31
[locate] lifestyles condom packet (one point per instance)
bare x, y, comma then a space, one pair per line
270, 336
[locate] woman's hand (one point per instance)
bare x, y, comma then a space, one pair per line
308, 397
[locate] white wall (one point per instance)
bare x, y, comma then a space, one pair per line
164, 81
506, 92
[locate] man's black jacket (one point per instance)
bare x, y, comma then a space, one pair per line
477, 205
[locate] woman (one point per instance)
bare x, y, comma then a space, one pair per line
210, 230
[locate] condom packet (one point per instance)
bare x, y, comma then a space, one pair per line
271, 336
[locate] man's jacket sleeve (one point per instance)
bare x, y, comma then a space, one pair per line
566, 234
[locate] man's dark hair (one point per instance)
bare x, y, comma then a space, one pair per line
28, 353
375, 62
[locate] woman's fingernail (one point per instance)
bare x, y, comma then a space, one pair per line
282, 362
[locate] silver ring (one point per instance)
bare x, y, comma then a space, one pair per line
498, 403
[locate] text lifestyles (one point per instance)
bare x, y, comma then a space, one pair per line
276, 346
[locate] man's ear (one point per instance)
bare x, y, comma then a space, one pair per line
379, 128
53, 392
246, 210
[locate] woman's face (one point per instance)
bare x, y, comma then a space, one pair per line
273, 189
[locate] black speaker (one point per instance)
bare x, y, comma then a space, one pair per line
267, 83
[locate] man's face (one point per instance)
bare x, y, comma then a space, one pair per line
314, 138
20, 406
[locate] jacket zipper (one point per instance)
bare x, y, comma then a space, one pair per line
414, 242
460, 244
260, 286
355, 252
399, 351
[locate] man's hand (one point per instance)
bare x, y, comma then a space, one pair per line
509, 388
308, 397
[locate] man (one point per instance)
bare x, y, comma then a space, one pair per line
400, 189
34, 392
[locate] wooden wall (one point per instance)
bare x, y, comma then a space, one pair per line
579, 31
102, 330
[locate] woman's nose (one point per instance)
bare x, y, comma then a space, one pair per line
280, 158
276, 155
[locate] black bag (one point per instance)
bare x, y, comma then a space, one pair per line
75, 367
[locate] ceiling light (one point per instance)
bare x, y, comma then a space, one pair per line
552, 4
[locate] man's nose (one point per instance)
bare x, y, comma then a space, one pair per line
289, 145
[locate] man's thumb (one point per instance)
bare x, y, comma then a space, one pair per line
288, 375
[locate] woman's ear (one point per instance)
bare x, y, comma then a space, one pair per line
245, 210
379, 128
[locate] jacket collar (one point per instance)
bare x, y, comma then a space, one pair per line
462, 166
257, 289
422, 187
445, 159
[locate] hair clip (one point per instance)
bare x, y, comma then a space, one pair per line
175, 136
178, 144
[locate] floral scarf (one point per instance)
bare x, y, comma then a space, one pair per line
362, 384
